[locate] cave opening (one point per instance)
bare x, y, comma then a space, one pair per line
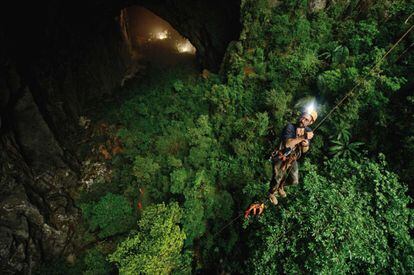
153, 42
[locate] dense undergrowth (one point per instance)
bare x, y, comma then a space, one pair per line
196, 148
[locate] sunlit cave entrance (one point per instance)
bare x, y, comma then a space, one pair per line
153, 42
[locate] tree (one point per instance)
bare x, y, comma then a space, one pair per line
203, 143
112, 214
348, 217
156, 247
95, 263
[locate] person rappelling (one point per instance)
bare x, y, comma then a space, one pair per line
294, 141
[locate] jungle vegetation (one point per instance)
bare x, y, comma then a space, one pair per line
196, 149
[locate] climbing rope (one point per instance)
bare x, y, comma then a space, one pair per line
227, 225
373, 68
347, 95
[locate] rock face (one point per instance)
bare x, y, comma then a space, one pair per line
56, 58
37, 215
209, 25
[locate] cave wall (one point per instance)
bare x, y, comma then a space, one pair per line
56, 59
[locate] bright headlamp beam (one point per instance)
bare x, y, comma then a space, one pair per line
310, 107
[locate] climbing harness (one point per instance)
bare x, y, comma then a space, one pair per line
259, 207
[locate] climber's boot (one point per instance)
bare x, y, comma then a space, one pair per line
273, 199
282, 192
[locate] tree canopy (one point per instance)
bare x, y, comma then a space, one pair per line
198, 146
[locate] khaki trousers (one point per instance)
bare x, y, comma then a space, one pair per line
278, 177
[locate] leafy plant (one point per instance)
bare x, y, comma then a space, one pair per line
197, 147
156, 247
342, 147
341, 219
112, 214
96, 263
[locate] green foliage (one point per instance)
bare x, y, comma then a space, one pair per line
343, 147
156, 247
95, 263
111, 215
178, 180
59, 267
340, 55
346, 217
144, 168
200, 145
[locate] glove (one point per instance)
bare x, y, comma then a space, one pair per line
254, 207
309, 135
